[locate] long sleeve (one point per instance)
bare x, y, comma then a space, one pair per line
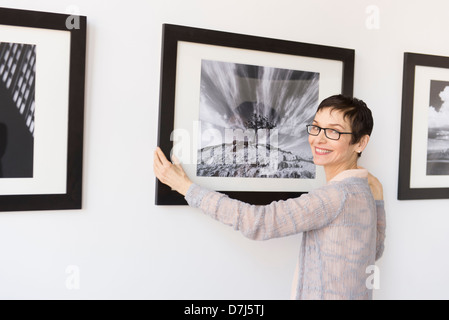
281, 218
381, 226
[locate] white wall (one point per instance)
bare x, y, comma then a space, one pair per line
125, 247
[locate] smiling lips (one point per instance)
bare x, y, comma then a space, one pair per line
322, 152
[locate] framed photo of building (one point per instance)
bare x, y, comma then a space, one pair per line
234, 110
424, 149
42, 69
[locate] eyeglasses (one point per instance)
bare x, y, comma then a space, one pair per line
329, 133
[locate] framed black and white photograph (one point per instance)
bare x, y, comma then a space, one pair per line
234, 110
42, 69
424, 151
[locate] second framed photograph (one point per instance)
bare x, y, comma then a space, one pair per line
234, 110
424, 149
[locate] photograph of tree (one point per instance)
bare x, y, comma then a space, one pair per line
438, 134
253, 121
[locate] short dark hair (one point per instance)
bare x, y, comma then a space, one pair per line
355, 110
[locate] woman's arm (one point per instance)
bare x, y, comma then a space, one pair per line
278, 219
281, 218
381, 226
377, 191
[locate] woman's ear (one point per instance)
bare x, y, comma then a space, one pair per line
361, 145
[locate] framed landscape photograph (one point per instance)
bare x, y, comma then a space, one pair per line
42, 69
424, 150
234, 110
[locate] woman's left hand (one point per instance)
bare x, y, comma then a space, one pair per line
376, 187
171, 174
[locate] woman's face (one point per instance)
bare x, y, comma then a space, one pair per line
327, 152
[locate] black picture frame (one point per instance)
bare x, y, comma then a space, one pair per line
173, 34
409, 103
76, 26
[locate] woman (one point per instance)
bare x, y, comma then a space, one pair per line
343, 222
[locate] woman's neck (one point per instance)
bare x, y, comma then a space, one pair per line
332, 171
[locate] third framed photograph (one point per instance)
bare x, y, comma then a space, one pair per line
424, 149
234, 110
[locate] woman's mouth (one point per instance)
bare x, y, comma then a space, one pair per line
322, 152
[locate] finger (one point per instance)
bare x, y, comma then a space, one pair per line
177, 164
175, 160
157, 168
160, 173
162, 157
157, 165
160, 160
156, 160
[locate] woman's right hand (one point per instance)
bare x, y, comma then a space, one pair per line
169, 173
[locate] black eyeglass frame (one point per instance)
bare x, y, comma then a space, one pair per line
325, 132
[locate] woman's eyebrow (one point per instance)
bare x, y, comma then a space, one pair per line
337, 125
332, 125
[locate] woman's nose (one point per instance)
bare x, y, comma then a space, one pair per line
322, 136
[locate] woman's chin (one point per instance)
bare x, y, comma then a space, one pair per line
318, 161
